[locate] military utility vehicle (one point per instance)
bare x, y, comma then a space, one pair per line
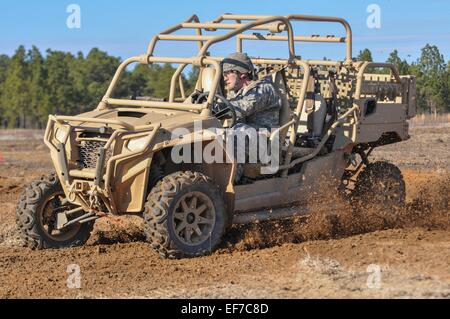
118, 158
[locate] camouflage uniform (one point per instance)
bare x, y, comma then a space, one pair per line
257, 105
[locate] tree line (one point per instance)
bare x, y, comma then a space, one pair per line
33, 85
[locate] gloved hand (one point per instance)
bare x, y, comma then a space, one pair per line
221, 111
195, 97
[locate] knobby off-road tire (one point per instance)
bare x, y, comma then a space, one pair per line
35, 216
380, 185
185, 215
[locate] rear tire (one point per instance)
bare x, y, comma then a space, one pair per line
35, 217
380, 185
185, 215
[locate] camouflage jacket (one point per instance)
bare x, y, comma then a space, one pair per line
257, 104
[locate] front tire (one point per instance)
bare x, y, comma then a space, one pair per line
185, 215
36, 217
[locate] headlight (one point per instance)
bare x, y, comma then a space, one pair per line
138, 144
61, 134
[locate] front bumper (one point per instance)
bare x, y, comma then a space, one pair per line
117, 182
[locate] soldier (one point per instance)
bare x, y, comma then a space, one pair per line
256, 103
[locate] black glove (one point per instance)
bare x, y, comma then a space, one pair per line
221, 111
198, 97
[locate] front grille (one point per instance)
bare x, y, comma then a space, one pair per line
89, 152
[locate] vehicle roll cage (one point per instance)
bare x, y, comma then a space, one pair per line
272, 24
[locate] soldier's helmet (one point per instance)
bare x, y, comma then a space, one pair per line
239, 62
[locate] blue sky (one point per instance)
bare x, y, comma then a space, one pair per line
124, 27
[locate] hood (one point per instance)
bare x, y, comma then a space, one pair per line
169, 119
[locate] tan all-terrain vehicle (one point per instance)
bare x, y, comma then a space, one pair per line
117, 159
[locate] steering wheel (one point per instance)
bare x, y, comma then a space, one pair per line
223, 110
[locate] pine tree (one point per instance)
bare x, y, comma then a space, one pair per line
15, 96
37, 83
160, 78
431, 80
97, 72
365, 55
60, 85
402, 65
4, 63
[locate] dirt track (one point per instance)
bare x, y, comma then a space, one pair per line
327, 255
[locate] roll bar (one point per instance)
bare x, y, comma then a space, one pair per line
272, 24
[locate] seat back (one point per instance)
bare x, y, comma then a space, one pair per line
207, 79
316, 118
285, 111
280, 87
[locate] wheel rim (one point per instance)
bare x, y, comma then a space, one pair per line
47, 218
387, 193
194, 218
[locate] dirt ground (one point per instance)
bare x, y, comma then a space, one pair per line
335, 254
